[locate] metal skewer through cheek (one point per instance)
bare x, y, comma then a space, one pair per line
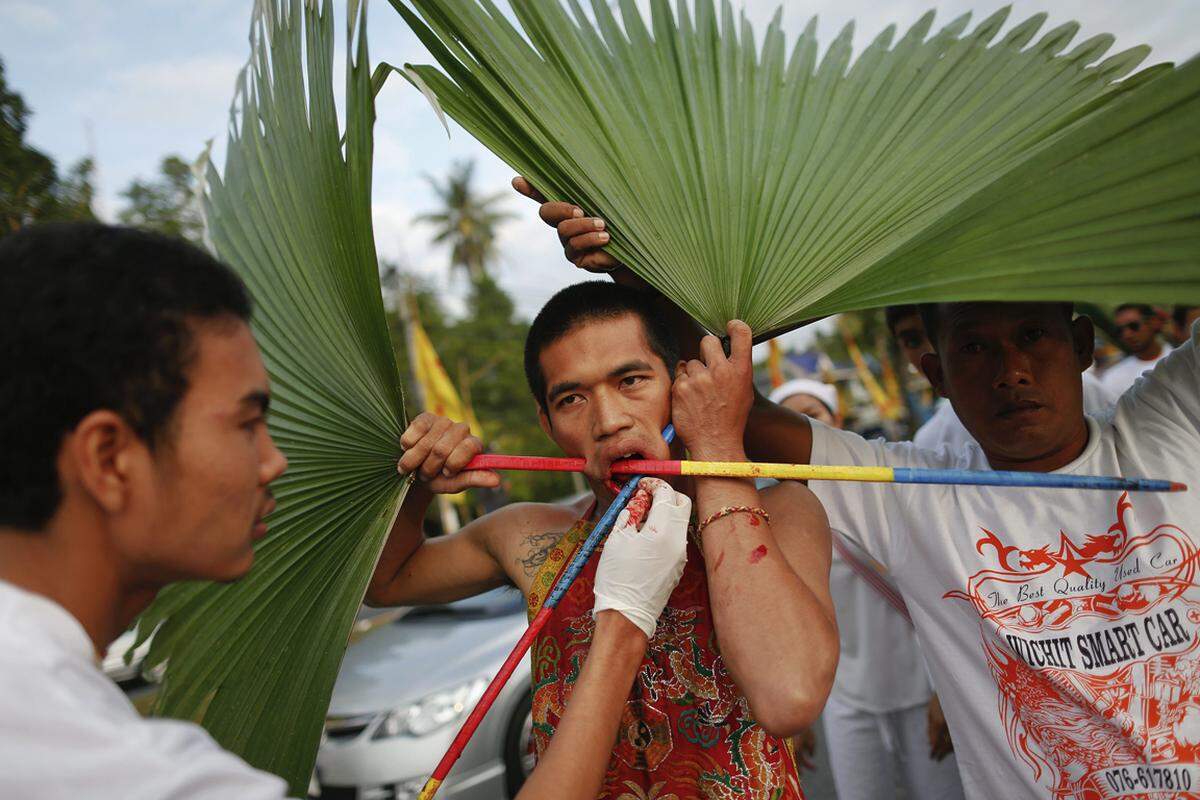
599, 531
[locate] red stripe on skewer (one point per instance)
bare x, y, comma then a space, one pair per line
535, 463
633, 466
641, 466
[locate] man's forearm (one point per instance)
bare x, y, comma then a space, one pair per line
777, 434
406, 536
574, 764
777, 639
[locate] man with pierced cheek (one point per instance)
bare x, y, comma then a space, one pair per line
744, 650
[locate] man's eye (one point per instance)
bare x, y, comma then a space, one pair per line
632, 380
1033, 334
911, 342
252, 424
569, 400
972, 348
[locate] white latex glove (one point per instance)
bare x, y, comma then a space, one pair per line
639, 568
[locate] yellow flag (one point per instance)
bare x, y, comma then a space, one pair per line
775, 363
888, 407
437, 389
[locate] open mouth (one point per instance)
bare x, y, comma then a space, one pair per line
617, 480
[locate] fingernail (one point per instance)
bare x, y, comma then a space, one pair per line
603, 237
599, 223
445, 472
577, 212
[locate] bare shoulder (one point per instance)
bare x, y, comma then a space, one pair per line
520, 535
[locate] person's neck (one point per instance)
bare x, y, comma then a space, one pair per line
1152, 351
79, 574
1056, 458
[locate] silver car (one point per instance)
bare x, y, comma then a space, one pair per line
403, 692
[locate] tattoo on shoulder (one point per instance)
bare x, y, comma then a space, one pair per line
536, 548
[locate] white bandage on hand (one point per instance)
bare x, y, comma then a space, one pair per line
639, 568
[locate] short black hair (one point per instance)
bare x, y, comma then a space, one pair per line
930, 313
1141, 308
94, 317
586, 302
1180, 314
893, 314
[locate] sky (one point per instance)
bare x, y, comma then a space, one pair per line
131, 82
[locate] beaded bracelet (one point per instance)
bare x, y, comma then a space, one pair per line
727, 510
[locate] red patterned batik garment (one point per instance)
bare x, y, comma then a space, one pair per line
687, 731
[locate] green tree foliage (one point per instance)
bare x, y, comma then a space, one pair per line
165, 204
466, 222
31, 188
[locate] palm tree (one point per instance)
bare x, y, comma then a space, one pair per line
467, 221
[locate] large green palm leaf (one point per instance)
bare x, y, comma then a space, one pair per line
255, 660
743, 180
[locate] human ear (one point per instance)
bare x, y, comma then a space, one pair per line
101, 455
931, 368
1083, 335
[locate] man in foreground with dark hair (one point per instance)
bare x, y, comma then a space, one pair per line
1062, 628
1139, 327
606, 380
134, 452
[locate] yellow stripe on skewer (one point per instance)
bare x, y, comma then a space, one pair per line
786, 472
430, 789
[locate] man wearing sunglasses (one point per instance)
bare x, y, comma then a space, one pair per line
1139, 328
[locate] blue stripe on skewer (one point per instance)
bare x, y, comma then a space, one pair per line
599, 531
1028, 479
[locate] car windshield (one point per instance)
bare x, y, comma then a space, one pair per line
495, 603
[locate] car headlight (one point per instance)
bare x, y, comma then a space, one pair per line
431, 712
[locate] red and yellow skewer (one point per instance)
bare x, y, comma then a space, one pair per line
819, 472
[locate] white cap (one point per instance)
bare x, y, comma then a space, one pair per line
825, 392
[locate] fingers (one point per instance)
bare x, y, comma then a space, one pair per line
437, 447
418, 440
741, 341
556, 213
582, 234
711, 350
471, 479
526, 188
576, 227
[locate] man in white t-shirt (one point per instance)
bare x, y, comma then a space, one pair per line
1060, 626
944, 428
1139, 328
877, 712
134, 452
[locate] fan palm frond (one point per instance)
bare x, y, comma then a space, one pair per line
763, 182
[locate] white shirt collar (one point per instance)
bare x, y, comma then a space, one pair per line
1089, 449
35, 618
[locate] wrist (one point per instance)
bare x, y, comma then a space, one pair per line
617, 631
718, 451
